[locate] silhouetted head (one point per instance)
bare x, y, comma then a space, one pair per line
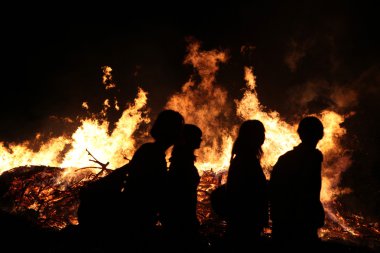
250, 138
167, 127
190, 140
192, 136
310, 130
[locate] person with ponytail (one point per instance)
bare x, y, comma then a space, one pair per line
246, 187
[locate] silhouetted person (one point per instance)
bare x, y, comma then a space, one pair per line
146, 184
131, 197
183, 178
101, 211
295, 185
247, 188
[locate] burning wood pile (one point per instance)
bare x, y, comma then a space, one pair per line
48, 194
33, 194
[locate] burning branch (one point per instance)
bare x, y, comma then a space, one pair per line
103, 166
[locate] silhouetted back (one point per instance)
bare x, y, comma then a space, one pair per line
247, 186
101, 202
131, 223
295, 185
183, 179
147, 182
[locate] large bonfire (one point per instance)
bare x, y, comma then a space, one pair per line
45, 181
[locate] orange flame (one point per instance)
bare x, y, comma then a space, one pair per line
205, 104
93, 134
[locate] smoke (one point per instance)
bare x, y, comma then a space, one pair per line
364, 176
326, 75
323, 81
368, 82
297, 51
346, 97
333, 81
314, 96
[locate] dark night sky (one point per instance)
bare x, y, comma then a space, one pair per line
52, 55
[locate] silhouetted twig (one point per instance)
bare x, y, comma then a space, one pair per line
103, 166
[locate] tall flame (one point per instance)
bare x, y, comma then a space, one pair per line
203, 103
281, 137
113, 147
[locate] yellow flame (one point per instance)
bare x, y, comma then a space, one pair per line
85, 105
15, 155
106, 106
107, 77
92, 135
204, 104
281, 137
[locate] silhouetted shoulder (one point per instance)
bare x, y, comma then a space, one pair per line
286, 155
319, 154
300, 153
146, 147
144, 150
290, 155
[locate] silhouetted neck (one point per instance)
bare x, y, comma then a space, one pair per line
246, 156
162, 146
308, 145
182, 153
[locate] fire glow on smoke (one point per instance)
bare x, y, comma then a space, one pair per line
203, 103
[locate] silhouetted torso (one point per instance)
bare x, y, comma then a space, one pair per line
183, 180
146, 182
181, 220
144, 195
295, 186
247, 192
137, 202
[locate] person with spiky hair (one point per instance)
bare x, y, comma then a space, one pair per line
295, 185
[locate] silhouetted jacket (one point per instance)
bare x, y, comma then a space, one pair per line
183, 180
247, 194
295, 187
